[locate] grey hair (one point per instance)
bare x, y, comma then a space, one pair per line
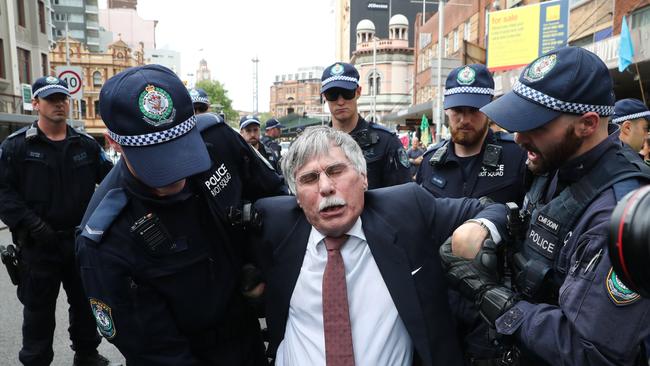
315, 142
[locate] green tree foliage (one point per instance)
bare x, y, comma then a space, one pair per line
219, 95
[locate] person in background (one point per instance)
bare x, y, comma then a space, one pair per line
272, 131
414, 154
385, 156
475, 162
48, 172
249, 128
632, 116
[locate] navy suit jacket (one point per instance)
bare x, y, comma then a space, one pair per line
404, 227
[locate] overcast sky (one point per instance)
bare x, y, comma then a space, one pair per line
283, 34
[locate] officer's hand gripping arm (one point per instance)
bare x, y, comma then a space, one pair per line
479, 279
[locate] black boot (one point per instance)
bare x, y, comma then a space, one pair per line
92, 359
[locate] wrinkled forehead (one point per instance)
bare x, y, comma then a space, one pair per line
317, 156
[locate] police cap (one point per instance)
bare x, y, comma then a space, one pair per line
148, 112
565, 80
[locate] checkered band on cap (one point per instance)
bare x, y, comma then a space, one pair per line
200, 100
156, 137
631, 116
47, 87
339, 77
559, 105
469, 90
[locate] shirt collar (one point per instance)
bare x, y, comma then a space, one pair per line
316, 237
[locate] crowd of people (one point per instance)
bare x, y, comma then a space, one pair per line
488, 248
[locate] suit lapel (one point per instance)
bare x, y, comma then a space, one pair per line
287, 261
395, 269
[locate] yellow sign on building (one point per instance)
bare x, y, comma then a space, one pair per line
518, 36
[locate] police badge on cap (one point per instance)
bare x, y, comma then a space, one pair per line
157, 106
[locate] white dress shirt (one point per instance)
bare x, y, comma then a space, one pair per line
379, 336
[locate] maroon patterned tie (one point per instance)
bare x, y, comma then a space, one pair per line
336, 316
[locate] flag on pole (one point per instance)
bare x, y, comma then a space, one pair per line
625, 49
425, 133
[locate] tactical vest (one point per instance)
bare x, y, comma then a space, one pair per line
550, 225
491, 155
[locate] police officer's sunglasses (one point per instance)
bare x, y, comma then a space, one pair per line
333, 94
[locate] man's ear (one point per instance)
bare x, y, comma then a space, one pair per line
35, 104
112, 143
588, 124
358, 92
626, 128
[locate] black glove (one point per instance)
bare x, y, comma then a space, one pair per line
479, 280
42, 233
470, 277
495, 301
251, 277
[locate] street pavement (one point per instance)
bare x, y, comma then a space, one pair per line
11, 322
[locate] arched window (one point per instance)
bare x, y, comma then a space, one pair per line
374, 81
97, 78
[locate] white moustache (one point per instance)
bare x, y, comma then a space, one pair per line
331, 201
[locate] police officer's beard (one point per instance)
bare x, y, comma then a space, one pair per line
555, 155
468, 138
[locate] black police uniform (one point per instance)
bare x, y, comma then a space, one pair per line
269, 154
386, 159
497, 172
272, 144
180, 305
49, 181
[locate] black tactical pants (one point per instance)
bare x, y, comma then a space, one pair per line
45, 268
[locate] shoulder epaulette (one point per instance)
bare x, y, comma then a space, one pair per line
381, 128
206, 120
504, 136
438, 145
22, 130
104, 215
85, 134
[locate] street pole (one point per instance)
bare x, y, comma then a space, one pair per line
374, 79
255, 60
438, 111
424, 10
67, 60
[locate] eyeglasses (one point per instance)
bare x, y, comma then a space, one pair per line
333, 94
333, 172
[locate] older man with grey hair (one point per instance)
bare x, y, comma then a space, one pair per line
353, 276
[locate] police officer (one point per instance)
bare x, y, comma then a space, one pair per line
249, 128
476, 162
48, 172
386, 158
159, 261
567, 306
273, 130
201, 104
633, 117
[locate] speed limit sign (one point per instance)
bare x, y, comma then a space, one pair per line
74, 77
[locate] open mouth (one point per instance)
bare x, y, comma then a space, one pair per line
332, 208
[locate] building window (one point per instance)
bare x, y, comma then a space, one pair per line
96, 107
20, 6
467, 30
24, 66
640, 17
456, 39
83, 109
97, 78
44, 67
3, 72
41, 16
374, 83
